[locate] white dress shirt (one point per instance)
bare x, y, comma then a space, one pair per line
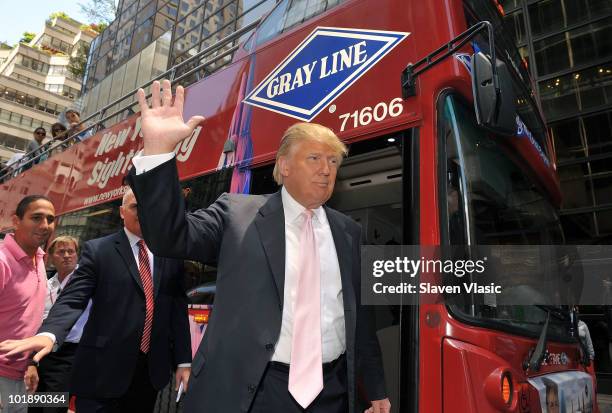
333, 334
53, 289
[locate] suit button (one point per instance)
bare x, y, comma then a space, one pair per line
252, 388
270, 347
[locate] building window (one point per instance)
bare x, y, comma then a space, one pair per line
34, 64
515, 23
142, 37
26, 122
548, 16
574, 48
187, 6
30, 101
587, 89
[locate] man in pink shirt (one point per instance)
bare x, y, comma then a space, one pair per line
23, 287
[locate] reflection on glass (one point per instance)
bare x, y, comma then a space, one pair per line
568, 141
574, 48
547, 16
575, 92
146, 64
516, 25
90, 223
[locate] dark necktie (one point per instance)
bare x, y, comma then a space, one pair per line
147, 285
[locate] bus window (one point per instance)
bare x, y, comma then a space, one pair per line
290, 13
490, 200
94, 222
200, 192
262, 181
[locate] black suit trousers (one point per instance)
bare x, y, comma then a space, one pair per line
273, 392
140, 397
54, 374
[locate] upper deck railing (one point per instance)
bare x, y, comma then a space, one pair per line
97, 119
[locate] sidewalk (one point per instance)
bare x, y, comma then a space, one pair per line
605, 403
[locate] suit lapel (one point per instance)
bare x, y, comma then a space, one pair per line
125, 251
270, 223
157, 273
344, 247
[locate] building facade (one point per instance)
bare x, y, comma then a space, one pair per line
568, 47
35, 83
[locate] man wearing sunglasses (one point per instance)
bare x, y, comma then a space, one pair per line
34, 150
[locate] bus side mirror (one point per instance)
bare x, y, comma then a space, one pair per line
494, 106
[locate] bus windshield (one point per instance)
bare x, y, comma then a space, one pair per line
491, 200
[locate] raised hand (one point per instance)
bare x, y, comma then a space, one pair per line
162, 123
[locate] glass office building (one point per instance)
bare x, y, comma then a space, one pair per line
149, 36
568, 47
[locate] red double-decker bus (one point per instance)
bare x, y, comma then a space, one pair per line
447, 146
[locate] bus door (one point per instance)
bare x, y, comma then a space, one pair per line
375, 186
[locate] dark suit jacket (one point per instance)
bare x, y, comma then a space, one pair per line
108, 350
245, 235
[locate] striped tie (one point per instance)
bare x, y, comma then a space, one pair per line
144, 268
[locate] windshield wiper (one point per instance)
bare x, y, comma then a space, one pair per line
556, 311
535, 359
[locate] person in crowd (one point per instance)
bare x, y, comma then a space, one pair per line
138, 329
55, 370
585, 337
288, 332
59, 133
76, 130
34, 146
14, 165
23, 287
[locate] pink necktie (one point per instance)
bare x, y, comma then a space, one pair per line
306, 368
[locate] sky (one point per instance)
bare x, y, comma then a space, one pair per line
19, 16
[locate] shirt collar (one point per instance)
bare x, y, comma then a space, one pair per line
66, 279
293, 209
16, 251
132, 238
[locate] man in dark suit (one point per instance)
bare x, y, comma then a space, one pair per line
288, 332
137, 331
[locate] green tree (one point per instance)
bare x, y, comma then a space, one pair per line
59, 14
103, 11
78, 63
27, 37
96, 27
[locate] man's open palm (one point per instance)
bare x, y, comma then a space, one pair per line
162, 123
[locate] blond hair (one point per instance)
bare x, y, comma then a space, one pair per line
128, 193
300, 132
63, 239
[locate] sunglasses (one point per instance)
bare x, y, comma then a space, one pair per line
41, 133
